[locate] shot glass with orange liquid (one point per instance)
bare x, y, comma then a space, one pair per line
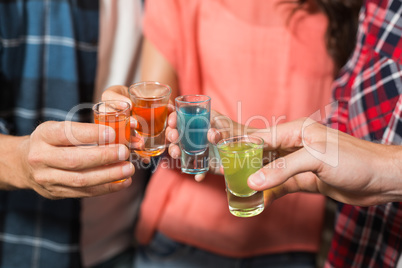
115, 114
150, 109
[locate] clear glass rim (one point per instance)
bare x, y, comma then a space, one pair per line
167, 94
179, 99
123, 111
248, 138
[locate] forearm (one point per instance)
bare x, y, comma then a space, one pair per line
12, 162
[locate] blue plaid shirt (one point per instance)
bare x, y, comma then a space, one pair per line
48, 52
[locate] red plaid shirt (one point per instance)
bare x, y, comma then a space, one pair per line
369, 96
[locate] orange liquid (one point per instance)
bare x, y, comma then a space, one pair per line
150, 153
120, 124
151, 117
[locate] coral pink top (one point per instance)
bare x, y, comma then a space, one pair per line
259, 70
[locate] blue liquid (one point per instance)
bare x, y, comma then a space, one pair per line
193, 125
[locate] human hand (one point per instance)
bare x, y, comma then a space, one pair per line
317, 159
221, 127
61, 160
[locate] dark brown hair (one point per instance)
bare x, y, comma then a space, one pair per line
342, 28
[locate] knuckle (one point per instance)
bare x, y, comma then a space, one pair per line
108, 154
56, 193
54, 128
52, 196
34, 158
78, 180
91, 157
40, 179
71, 161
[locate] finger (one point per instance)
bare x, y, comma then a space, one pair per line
274, 193
172, 134
200, 177
73, 133
87, 178
59, 192
172, 120
287, 136
80, 158
117, 93
106, 188
221, 121
221, 169
133, 123
174, 151
137, 143
134, 158
171, 107
214, 136
280, 170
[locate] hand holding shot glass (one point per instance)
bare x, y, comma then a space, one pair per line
150, 109
241, 156
193, 122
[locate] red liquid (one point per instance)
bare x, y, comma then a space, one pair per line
151, 117
120, 124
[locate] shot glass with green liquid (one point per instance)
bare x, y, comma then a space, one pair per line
241, 156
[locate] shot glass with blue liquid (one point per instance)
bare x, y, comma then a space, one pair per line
193, 122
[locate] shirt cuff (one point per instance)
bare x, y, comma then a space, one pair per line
3, 127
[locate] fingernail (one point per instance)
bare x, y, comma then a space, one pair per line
198, 178
257, 178
174, 155
133, 122
122, 152
128, 169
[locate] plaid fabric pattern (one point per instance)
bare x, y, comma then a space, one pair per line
48, 54
369, 95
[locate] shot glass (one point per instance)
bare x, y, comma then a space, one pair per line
241, 156
115, 114
193, 122
150, 109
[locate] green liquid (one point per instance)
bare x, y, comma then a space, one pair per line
239, 161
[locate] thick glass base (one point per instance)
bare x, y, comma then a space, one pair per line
195, 163
246, 206
151, 152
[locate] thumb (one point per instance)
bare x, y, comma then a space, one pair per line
279, 171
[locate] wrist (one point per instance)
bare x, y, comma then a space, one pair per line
391, 173
13, 165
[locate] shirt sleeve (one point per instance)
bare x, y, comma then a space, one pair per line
3, 127
339, 115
